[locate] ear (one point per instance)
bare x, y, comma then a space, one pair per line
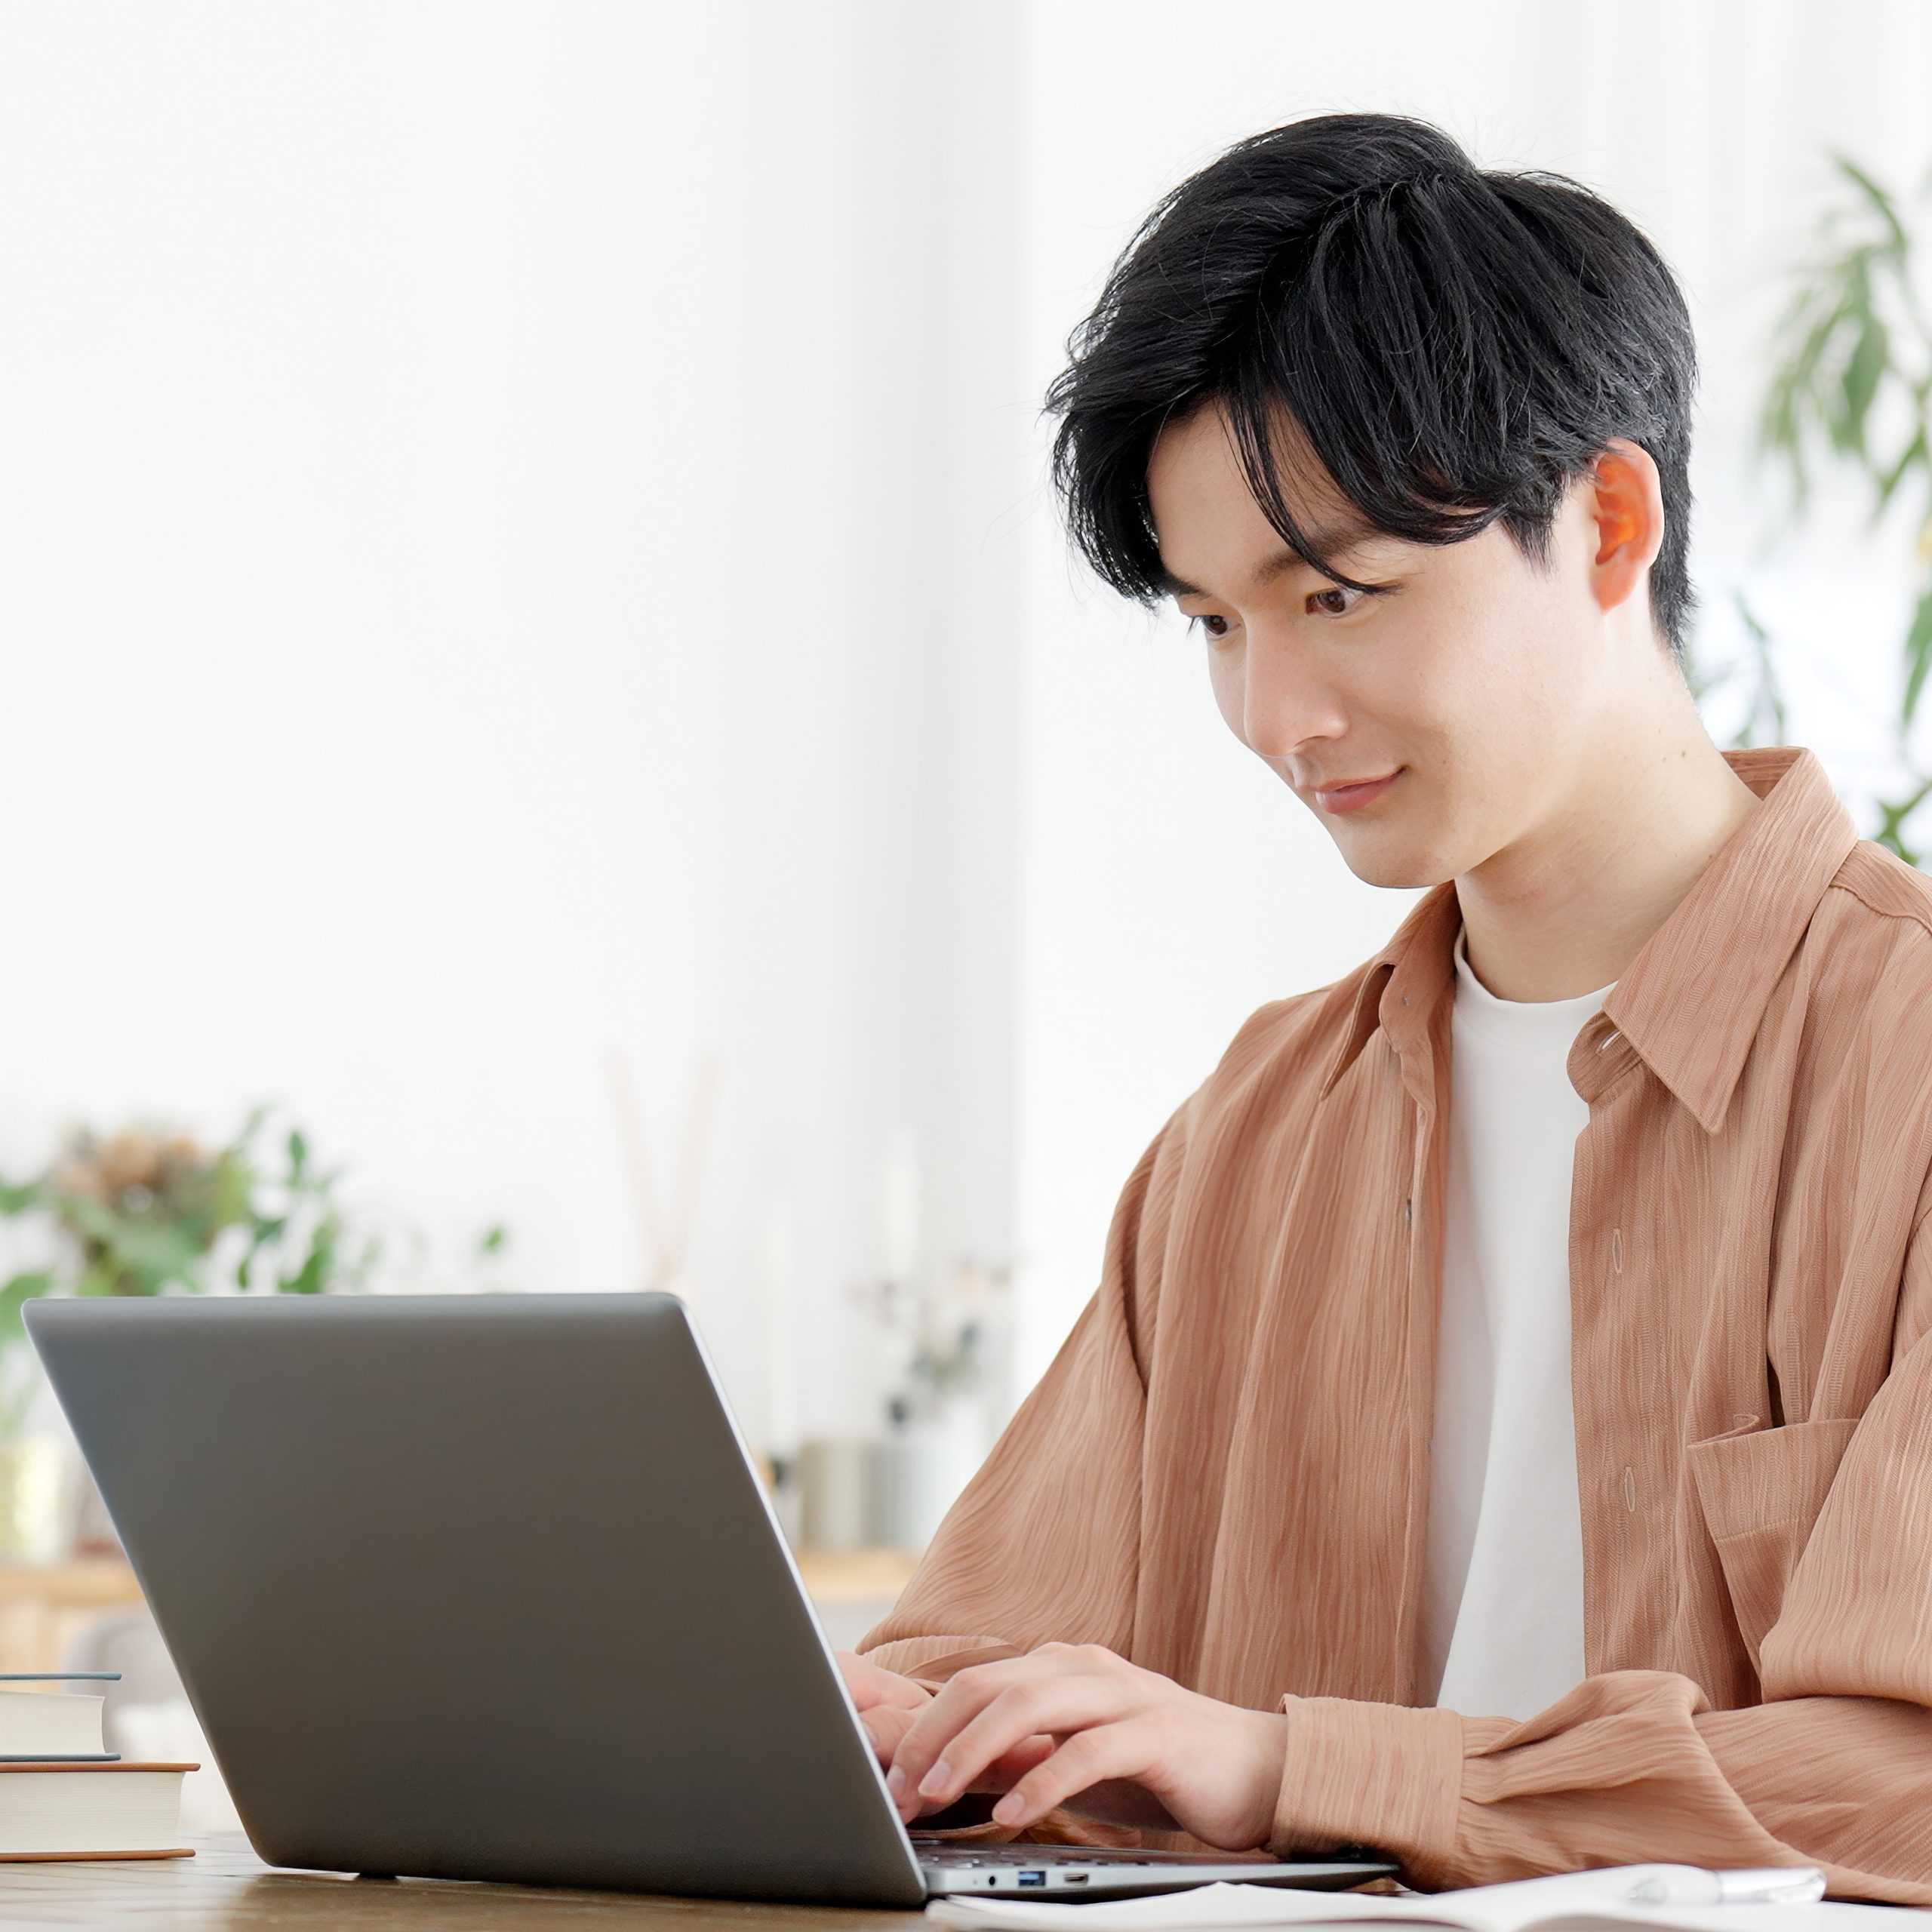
1625, 501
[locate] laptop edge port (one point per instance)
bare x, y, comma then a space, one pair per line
1032, 1878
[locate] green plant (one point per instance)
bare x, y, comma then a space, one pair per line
1853, 338
143, 1211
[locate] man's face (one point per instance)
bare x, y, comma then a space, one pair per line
1475, 678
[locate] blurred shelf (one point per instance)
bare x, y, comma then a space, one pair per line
847, 1575
41, 1604
84, 1581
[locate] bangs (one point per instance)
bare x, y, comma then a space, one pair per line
1388, 330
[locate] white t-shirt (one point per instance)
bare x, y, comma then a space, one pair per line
1503, 1610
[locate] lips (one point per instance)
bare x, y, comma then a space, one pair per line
1349, 798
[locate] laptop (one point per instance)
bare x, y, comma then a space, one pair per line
488, 1587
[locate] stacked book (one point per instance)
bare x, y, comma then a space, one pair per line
62, 1795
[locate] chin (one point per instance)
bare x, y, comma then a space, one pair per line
1396, 871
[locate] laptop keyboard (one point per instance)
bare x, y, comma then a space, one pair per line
1035, 1854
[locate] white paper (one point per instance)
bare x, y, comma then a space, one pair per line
1564, 1902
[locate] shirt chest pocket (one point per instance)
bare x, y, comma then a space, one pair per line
1761, 1491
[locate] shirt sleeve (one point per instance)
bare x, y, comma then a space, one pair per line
1833, 1768
1043, 1544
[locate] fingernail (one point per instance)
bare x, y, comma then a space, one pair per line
936, 1781
1007, 1809
895, 1782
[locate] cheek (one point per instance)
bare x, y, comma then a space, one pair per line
1224, 675
1503, 650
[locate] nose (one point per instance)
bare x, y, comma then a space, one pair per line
1284, 705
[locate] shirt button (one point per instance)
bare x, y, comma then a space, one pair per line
1606, 1040
1407, 1216
1629, 1488
1616, 1249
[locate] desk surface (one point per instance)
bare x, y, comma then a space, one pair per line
225, 1887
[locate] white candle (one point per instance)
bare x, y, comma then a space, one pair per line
781, 1381
902, 1208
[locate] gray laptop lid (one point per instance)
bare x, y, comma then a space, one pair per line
421, 1561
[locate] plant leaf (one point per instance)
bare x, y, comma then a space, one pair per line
146, 1254
1918, 654
21, 1289
21, 1197
1870, 355
318, 1268
1896, 244
1915, 451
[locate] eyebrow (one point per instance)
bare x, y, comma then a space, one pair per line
1339, 540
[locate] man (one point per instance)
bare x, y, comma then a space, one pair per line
1529, 1470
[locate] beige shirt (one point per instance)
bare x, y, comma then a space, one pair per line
1222, 1475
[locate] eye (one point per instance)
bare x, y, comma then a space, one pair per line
1314, 605
1362, 597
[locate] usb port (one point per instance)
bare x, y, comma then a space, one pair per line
1032, 1878
1077, 1878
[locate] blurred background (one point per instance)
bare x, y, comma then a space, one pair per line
555, 740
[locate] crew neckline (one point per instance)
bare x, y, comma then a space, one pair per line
1475, 1004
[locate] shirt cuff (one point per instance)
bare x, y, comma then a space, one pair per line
1384, 1776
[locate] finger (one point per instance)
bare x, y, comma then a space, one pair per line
871, 1684
1062, 1705
885, 1725
888, 1687
874, 1696
958, 1700
967, 1692
1121, 1751
1009, 1766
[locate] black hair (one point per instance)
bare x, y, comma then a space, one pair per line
1455, 344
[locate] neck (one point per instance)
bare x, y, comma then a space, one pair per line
1563, 910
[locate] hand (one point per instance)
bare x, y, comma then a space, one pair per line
887, 1704
884, 1700
872, 1683
1212, 1769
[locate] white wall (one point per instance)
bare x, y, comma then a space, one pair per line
527, 534
497, 498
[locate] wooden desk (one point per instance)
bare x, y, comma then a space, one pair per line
225, 1886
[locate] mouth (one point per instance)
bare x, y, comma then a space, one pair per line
1352, 797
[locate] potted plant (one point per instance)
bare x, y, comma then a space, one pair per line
1850, 381
148, 1209
952, 1330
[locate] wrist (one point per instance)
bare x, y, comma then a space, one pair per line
1268, 1741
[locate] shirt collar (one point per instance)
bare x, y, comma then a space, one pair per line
1742, 917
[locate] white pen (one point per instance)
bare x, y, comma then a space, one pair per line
1768, 1884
